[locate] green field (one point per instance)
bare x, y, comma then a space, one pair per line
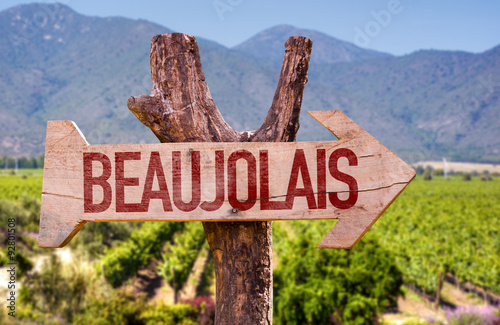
26, 182
435, 227
445, 226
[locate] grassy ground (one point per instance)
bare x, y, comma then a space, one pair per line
26, 182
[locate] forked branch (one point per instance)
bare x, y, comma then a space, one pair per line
181, 109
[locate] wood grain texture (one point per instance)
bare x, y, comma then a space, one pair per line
379, 174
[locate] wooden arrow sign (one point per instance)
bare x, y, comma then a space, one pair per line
354, 180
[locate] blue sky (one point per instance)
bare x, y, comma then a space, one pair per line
393, 26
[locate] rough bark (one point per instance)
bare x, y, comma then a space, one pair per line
179, 109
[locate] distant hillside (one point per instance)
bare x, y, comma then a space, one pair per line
268, 44
70, 67
58, 64
427, 104
84, 69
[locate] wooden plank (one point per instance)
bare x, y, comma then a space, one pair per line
354, 180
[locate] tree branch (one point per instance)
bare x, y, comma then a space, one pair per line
180, 107
282, 120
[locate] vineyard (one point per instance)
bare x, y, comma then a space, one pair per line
435, 229
13, 187
445, 226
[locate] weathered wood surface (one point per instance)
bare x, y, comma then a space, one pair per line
221, 181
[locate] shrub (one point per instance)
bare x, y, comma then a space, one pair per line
206, 307
323, 286
486, 177
56, 289
178, 314
120, 308
181, 255
123, 261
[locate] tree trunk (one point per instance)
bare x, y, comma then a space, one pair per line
174, 286
181, 109
438, 290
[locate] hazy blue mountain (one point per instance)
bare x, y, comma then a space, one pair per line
268, 44
433, 103
58, 64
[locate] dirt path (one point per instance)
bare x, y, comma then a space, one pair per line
415, 307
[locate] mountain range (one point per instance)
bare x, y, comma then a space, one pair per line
56, 64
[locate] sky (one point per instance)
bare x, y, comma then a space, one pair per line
394, 26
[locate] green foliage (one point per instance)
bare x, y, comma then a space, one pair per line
26, 315
73, 293
26, 212
319, 286
466, 177
24, 265
96, 237
438, 172
56, 289
181, 255
124, 260
427, 175
178, 314
445, 226
120, 308
31, 206
123, 308
15, 187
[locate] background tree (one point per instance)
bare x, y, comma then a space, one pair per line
180, 256
320, 286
